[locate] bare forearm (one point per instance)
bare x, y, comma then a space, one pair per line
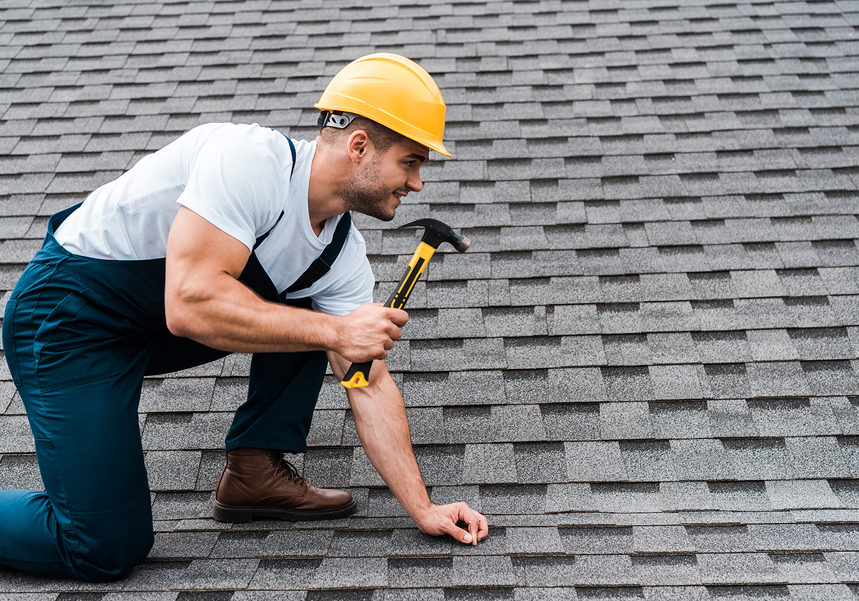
382, 425
227, 315
380, 418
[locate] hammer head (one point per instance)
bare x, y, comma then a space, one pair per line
436, 232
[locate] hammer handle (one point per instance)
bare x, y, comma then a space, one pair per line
358, 375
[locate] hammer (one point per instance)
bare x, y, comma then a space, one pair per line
435, 233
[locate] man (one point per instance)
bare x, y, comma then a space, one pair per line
198, 251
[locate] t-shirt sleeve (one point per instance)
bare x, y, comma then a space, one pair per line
232, 184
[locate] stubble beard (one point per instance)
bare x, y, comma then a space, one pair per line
366, 195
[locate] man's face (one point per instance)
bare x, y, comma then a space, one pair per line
385, 179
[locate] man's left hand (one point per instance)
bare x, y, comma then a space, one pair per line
446, 519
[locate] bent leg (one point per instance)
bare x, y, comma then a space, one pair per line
29, 534
282, 395
80, 382
94, 522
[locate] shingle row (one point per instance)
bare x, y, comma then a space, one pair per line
800, 461
696, 260
640, 541
549, 422
481, 377
517, 419
825, 233
498, 577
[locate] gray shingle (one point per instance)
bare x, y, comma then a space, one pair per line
485, 571
182, 394
571, 421
627, 383
816, 592
843, 564
745, 568
784, 537
626, 349
512, 499
830, 377
603, 570
526, 386
670, 316
783, 417
20, 472
441, 464
771, 345
720, 539
625, 420
180, 545
685, 496
661, 539
594, 461
165, 431
534, 540
675, 382
489, 463
336, 572
672, 347
601, 540
648, 460
739, 496
818, 457
350, 543
172, 470
777, 379
546, 570
17, 436
541, 462
667, 569
205, 573
803, 567
760, 459
640, 497
423, 572
685, 419
676, 593
821, 343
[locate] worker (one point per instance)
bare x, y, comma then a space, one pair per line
232, 238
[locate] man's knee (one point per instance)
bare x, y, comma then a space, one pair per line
109, 550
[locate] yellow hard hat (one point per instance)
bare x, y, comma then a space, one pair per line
392, 91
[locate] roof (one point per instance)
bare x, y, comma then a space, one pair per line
644, 370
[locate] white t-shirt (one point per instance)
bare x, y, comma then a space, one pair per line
237, 177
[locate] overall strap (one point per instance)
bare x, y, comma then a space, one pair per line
323, 263
291, 171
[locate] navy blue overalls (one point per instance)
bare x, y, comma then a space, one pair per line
79, 335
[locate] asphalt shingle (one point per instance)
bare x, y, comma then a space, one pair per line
643, 372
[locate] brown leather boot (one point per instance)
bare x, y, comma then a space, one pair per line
258, 483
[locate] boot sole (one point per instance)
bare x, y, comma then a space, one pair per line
239, 514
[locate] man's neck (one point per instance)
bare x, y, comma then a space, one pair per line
323, 201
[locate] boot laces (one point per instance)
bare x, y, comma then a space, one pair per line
287, 470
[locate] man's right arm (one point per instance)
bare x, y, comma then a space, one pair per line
205, 301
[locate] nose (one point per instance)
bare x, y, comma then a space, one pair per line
414, 182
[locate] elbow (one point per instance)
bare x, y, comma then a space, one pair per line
179, 319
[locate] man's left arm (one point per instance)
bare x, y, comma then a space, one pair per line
383, 427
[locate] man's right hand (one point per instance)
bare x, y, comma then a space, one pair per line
369, 332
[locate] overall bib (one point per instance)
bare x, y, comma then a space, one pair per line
79, 334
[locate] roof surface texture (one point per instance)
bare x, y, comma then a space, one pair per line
644, 371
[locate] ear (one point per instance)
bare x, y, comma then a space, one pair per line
358, 145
